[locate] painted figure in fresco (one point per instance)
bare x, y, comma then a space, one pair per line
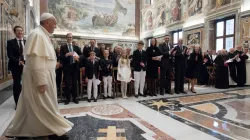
149, 21
109, 19
220, 3
194, 7
175, 11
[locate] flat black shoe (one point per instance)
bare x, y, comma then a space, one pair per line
161, 93
192, 91
136, 96
76, 101
171, 93
183, 92
66, 102
55, 137
104, 98
177, 92
89, 100
154, 94
95, 100
111, 97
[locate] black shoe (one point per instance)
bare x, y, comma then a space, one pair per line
89, 100
75, 101
22, 138
111, 97
104, 98
143, 95
193, 91
95, 100
183, 92
55, 137
66, 102
171, 93
162, 93
136, 96
177, 92
154, 94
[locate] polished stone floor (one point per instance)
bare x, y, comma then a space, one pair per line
211, 114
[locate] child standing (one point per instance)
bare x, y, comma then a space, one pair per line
140, 66
107, 66
92, 74
124, 72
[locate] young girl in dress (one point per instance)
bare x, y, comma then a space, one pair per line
124, 72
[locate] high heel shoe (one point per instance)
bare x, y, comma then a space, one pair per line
193, 91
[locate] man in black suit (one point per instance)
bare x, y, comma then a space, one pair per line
140, 66
166, 65
69, 56
180, 63
209, 58
93, 48
16, 60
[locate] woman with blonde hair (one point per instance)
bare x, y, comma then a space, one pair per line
194, 60
124, 72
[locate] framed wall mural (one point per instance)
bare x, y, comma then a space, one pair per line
245, 30
220, 3
175, 10
194, 7
160, 16
95, 17
194, 38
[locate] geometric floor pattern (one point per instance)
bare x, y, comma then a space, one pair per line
220, 114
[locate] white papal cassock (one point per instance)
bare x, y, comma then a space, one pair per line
37, 113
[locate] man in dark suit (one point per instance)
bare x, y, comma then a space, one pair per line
180, 63
140, 66
166, 65
69, 56
16, 60
93, 48
209, 59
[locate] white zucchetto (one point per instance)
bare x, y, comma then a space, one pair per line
46, 16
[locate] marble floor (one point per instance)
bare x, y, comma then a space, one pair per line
211, 114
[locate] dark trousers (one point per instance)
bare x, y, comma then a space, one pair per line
165, 78
17, 86
58, 79
71, 78
179, 75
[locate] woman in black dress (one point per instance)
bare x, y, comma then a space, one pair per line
152, 68
194, 60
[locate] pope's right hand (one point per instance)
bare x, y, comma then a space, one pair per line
69, 54
42, 88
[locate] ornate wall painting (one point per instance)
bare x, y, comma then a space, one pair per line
175, 10
111, 17
194, 7
245, 30
220, 3
149, 20
194, 38
161, 16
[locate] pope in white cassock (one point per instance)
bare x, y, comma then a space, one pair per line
37, 111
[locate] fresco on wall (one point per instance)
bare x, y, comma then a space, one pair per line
194, 38
220, 3
111, 17
161, 16
175, 10
194, 7
245, 30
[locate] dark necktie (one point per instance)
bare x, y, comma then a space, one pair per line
71, 57
21, 49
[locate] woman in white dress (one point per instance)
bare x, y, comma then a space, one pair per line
124, 72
